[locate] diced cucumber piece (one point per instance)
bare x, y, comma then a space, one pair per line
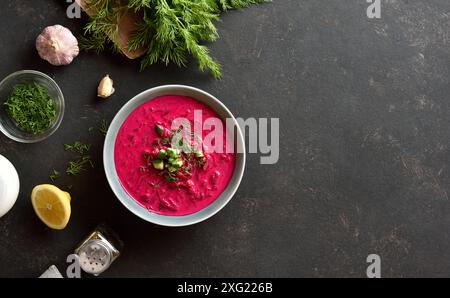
158, 164
173, 153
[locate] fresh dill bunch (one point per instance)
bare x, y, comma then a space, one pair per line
225, 5
179, 26
138, 4
170, 30
103, 27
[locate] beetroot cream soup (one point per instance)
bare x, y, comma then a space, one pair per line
164, 180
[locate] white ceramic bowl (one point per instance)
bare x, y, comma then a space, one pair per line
129, 202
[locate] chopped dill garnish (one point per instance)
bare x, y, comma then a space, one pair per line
171, 178
173, 163
187, 170
31, 107
55, 175
77, 166
78, 147
104, 126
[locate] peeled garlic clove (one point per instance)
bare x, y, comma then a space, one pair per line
57, 45
105, 89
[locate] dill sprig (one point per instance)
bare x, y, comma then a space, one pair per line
170, 30
78, 147
104, 126
77, 166
103, 28
55, 175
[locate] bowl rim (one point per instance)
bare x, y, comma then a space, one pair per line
58, 119
128, 201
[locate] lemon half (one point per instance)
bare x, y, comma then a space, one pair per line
51, 205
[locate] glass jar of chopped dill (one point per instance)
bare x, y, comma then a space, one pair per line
31, 106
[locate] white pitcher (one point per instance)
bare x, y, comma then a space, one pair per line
9, 185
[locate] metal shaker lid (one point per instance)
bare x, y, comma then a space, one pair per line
94, 257
99, 250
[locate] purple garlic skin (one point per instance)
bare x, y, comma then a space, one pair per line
57, 45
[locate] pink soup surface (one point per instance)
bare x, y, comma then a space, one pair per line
148, 187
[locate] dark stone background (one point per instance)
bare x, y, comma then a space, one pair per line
365, 121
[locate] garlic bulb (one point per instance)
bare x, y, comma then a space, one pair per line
57, 45
105, 89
